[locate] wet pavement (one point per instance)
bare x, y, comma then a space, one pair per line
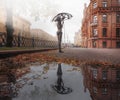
53, 81
38, 84
90, 54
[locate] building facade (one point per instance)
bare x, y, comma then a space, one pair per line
42, 35
101, 24
43, 38
21, 26
2, 17
21, 36
77, 39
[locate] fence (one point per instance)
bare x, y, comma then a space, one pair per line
19, 41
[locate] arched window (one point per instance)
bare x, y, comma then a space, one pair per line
94, 5
95, 19
104, 18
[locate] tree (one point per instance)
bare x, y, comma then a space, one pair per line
35, 9
9, 26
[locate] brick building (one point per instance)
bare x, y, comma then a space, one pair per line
103, 82
101, 24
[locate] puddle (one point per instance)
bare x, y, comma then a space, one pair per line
63, 82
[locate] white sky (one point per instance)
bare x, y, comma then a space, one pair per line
48, 9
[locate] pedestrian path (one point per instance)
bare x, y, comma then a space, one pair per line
13, 52
87, 54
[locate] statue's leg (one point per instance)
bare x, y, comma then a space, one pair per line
59, 35
60, 41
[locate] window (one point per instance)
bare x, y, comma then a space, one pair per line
95, 90
117, 32
95, 5
118, 17
94, 71
95, 32
94, 44
104, 91
94, 19
119, 93
104, 75
118, 74
104, 32
104, 18
104, 4
117, 44
104, 44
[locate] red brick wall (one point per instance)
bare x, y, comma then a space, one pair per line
111, 24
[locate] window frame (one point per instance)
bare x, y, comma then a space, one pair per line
104, 75
104, 32
118, 18
117, 32
104, 4
104, 91
95, 5
104, 44
95, 32
104, 18
95, 19
117, 44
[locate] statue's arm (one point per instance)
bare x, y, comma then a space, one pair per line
62, 22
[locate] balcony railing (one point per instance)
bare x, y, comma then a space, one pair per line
94, 37
94, 24
108, 9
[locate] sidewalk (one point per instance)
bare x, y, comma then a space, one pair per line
8, 52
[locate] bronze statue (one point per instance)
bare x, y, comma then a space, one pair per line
59, 18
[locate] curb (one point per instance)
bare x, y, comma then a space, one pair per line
11, 53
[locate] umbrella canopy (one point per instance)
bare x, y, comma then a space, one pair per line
64, 16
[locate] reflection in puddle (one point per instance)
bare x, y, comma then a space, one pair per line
8, 88
85, 83
59, 87
103, 82
42, 78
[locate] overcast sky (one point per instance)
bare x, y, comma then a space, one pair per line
48, 9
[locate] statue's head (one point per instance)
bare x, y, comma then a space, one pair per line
58, 18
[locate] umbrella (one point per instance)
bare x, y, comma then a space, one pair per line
61, 16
